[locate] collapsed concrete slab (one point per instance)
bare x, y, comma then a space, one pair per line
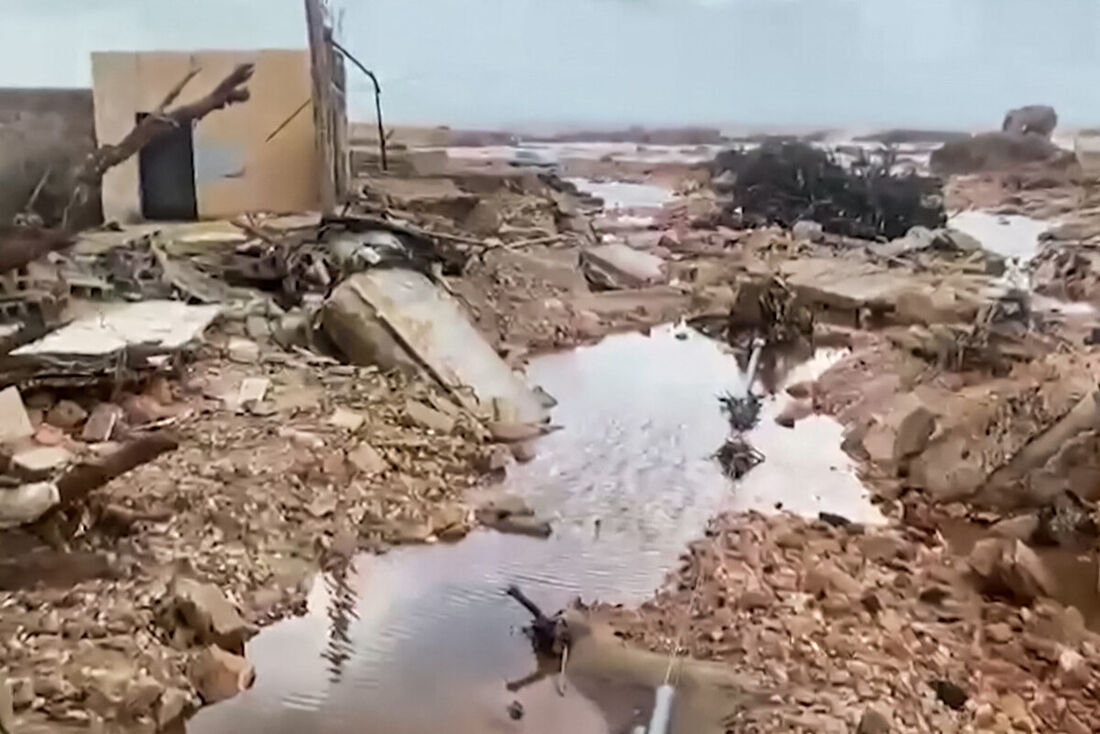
108, 337
617, 266
400, 319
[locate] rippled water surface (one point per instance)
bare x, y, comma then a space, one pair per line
422, 639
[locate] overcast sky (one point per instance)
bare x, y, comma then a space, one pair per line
954, 63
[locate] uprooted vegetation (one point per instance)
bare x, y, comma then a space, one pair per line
782, 183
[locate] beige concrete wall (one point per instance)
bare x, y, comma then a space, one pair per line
236, 169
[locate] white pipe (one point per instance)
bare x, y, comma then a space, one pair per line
754, 363
662, 710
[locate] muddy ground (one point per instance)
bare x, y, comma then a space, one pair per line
962, 408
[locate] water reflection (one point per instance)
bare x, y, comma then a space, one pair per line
424, 639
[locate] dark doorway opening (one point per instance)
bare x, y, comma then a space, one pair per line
167, 167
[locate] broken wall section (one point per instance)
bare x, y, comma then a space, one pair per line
258, 156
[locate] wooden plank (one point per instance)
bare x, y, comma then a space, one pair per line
321, 77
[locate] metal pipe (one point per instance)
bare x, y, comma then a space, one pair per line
662, 710
377, 99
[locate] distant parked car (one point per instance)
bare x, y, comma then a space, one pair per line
527, 158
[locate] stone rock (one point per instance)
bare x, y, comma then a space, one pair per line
219, 675
484, 219
1073, 668
1007, 566
999, 632
507, 505
204, 610
40, 462
48, 435
903, 432
827, 576
367, 460
142, 695
257, 327
7, 707
100, 425
66, 414
305, 439
421, 415
496, 460
807, 230
243, 351
1033, 119
872, 722
172, 706
1022, 527
802, 390
26, 503
346, 419
1013, 706
950, 694
523, 451
14, 421
517, 525
22, 692
142, 409
793, 412
449, 522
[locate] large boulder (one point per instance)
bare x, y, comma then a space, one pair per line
1036, 119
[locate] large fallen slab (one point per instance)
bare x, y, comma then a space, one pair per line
107, 338
399, 318
617, 266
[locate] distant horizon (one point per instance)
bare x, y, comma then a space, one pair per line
740, 64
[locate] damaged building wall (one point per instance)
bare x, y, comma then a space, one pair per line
236, 167
41, 129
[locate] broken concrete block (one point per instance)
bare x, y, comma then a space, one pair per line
903, 432
421, 415
219, 675
139, 335
204, 610
252, 390
40, 462
66, 414
385, 316
367, 460
243, 351
26, 503
618, 266
346, 419
1008, 566
101, 423
14, 421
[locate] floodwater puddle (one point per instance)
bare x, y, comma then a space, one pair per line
620, 195
423, 639
1008, 235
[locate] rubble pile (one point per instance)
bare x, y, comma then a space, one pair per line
837, 629
783, 183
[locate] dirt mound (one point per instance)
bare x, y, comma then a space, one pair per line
994, 151
834, 626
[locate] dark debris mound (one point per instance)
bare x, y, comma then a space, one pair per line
737, 457
743, 412
784, 182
